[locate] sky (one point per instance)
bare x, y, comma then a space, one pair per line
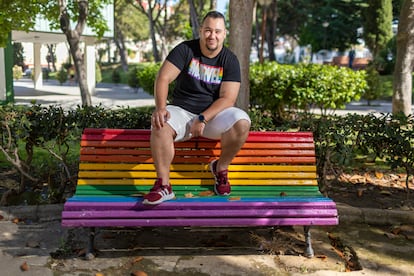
221, 5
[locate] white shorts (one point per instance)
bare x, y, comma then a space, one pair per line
180, 120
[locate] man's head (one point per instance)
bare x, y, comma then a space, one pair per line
212, 33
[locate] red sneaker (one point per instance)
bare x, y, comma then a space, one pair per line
222, 186
158, 193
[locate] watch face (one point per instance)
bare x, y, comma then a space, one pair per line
201, 118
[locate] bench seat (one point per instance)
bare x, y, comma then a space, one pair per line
273, 179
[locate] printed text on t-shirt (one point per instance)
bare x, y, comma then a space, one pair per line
206, 73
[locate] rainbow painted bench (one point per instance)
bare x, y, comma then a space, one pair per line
273, 178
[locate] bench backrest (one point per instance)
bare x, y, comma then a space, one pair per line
119, 162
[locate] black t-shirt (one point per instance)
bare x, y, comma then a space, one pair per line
198, 84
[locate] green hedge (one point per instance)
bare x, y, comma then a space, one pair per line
43, 142
281, 88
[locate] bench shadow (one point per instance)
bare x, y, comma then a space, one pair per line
188, 241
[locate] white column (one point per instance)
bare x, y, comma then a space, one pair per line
90, 60
38, 77
2, 76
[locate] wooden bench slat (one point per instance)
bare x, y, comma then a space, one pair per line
197, 182
203, 187
210, 213
209, 222
192, 167
213, 202
239, 192
200, 145
195, 175
213, 152
206, 160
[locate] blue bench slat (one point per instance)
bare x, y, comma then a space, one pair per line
203, 199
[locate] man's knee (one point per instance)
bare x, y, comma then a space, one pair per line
242, 126
162, 133
240, 129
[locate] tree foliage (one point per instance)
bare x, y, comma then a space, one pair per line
331, 24
377, 25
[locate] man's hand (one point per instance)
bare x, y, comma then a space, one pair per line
159, 117
197, 128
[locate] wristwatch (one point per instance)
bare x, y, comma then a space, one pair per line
202, 119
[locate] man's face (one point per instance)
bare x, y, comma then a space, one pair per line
212, 34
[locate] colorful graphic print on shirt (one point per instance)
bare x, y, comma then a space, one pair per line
205, 73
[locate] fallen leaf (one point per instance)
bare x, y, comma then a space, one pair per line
138, 259
15, 220
379, 175
24, 266
99, 274
234, 198
206, 193
188, 195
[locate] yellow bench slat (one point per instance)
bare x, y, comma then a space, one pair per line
182, 181
192, 167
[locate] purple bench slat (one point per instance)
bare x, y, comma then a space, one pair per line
210, 222
208, 213
79, 206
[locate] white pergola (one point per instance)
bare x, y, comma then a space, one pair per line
42, 34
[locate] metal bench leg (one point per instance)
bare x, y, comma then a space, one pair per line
90, 252
309, 250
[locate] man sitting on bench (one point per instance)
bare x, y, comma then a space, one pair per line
207, 82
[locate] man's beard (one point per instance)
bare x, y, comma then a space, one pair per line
212, 49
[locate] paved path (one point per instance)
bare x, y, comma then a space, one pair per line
68, 95
31, 234
115, 96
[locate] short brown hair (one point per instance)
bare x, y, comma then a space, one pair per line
213, 14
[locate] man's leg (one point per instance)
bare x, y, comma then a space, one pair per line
162, 149
231, 143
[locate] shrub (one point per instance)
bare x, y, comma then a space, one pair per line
62, 75
374, 89
133, 81
116, 76
17, 72
146, 77
289, 87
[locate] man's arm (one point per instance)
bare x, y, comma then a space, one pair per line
167, 74
229, 91
228, 96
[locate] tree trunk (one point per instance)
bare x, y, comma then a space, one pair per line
195, 26
402, 85
120, 44
152, 33
73, 38
272, 15
241, 17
